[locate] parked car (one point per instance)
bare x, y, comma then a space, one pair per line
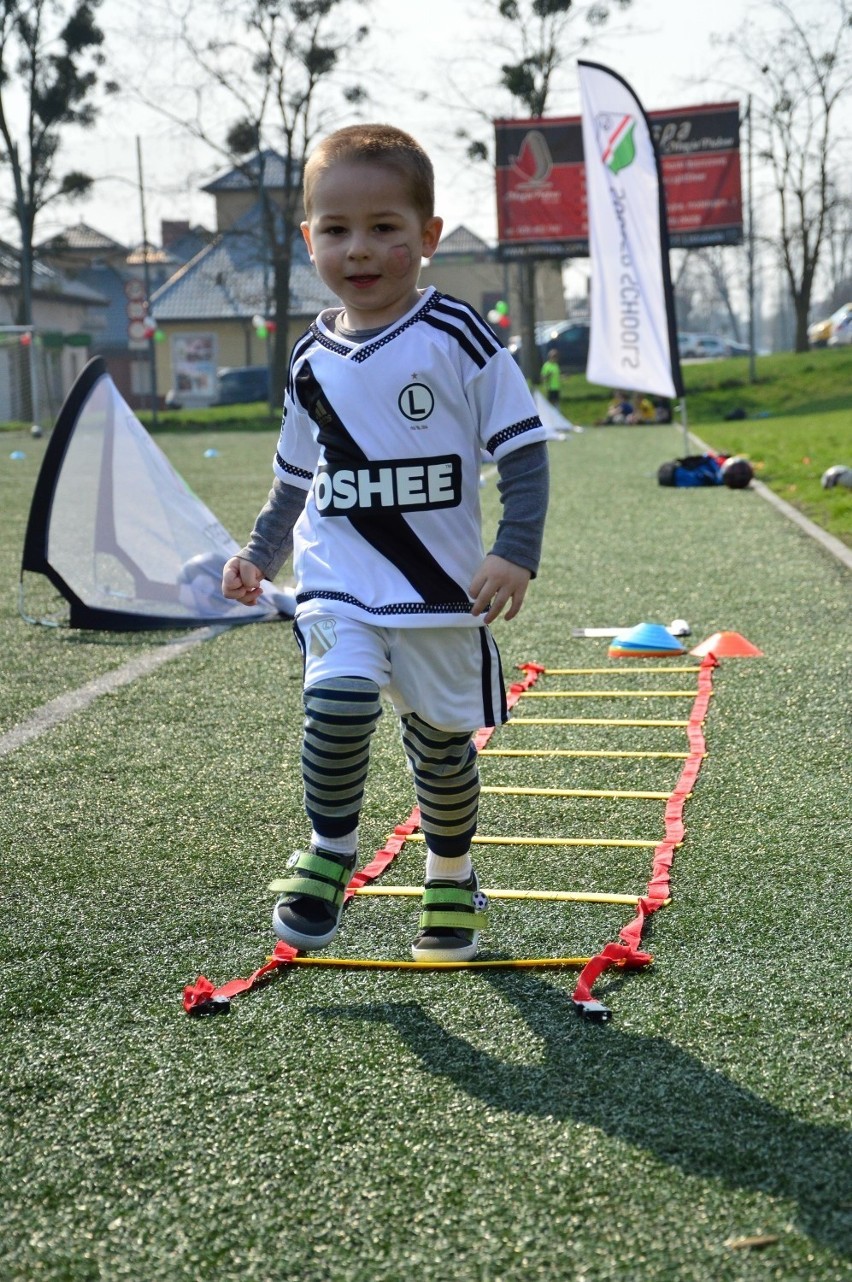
841, 333
235, 385
709, 347
822, 331
569, 338
243, 385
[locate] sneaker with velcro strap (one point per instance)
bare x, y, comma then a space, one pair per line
451, 919
307, 915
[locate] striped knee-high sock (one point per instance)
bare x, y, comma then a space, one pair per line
340, 717
446, 783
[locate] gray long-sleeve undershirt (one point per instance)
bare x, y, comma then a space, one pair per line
522, 482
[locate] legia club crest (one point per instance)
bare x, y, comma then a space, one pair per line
533, 162
615, 136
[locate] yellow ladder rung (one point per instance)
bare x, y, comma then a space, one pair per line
510, 790
609, 694
611, 671
579, 752
604, 842
371, 963
590, 721
546, 896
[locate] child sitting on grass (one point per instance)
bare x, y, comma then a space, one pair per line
390, 400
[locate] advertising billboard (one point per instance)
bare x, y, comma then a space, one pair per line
195, 359
541, 185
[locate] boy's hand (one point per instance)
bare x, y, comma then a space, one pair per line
241, 581
495, 583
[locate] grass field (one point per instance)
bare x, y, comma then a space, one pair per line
345, 1126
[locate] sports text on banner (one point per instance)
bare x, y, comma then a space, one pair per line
633, 341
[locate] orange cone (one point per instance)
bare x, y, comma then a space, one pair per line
727, 645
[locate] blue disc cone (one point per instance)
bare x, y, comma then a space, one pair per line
646, 638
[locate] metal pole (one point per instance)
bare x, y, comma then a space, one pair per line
529, 352
752, 371
684, 425
152, 356
31, 357
267, 298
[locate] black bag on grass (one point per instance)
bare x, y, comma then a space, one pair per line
706, 469
695, 469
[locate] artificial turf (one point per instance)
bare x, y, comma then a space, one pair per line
342, 1126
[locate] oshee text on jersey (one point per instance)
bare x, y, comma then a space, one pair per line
395, 484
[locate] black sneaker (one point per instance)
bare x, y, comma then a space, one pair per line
452, 917
307, 916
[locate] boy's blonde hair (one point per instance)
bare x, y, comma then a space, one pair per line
383, 145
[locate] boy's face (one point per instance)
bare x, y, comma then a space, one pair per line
367, 241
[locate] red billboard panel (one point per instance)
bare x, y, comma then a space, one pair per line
541, 183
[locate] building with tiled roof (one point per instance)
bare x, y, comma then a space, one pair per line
236, 188
464, 243
120, 274
265, 167
67, 313
466, 266
83, 242
213, 300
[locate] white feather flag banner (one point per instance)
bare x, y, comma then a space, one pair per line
633, 340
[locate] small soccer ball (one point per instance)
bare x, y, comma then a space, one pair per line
679, 628
36, 431
736, 472
837, 475
206, 563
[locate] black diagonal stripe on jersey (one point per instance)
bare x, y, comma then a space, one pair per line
302, 345
385, 530
466, 316
458, 333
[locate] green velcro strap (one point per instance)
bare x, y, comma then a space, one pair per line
310, 862
309, 886
457, 921
446, 895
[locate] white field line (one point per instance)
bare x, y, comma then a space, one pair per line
67, 705
835, 546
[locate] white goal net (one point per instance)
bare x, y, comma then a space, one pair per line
30, 377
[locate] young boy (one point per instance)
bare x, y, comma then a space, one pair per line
551, 377
390, 401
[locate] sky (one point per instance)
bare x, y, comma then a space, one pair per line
430, 68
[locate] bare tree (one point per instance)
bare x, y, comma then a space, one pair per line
802, 74
541, 36
280, 66
725, 273
839, 251
543, 33
50, 54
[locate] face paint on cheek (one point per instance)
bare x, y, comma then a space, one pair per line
399, 260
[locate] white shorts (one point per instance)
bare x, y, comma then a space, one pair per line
451, 677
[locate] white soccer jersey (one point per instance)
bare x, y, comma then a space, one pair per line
387, 438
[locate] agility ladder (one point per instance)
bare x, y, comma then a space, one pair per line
205, 998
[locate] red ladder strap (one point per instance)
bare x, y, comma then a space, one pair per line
659, 888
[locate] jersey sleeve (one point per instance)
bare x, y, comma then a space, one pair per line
271, 541
297, 452
523, 484
504, 407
